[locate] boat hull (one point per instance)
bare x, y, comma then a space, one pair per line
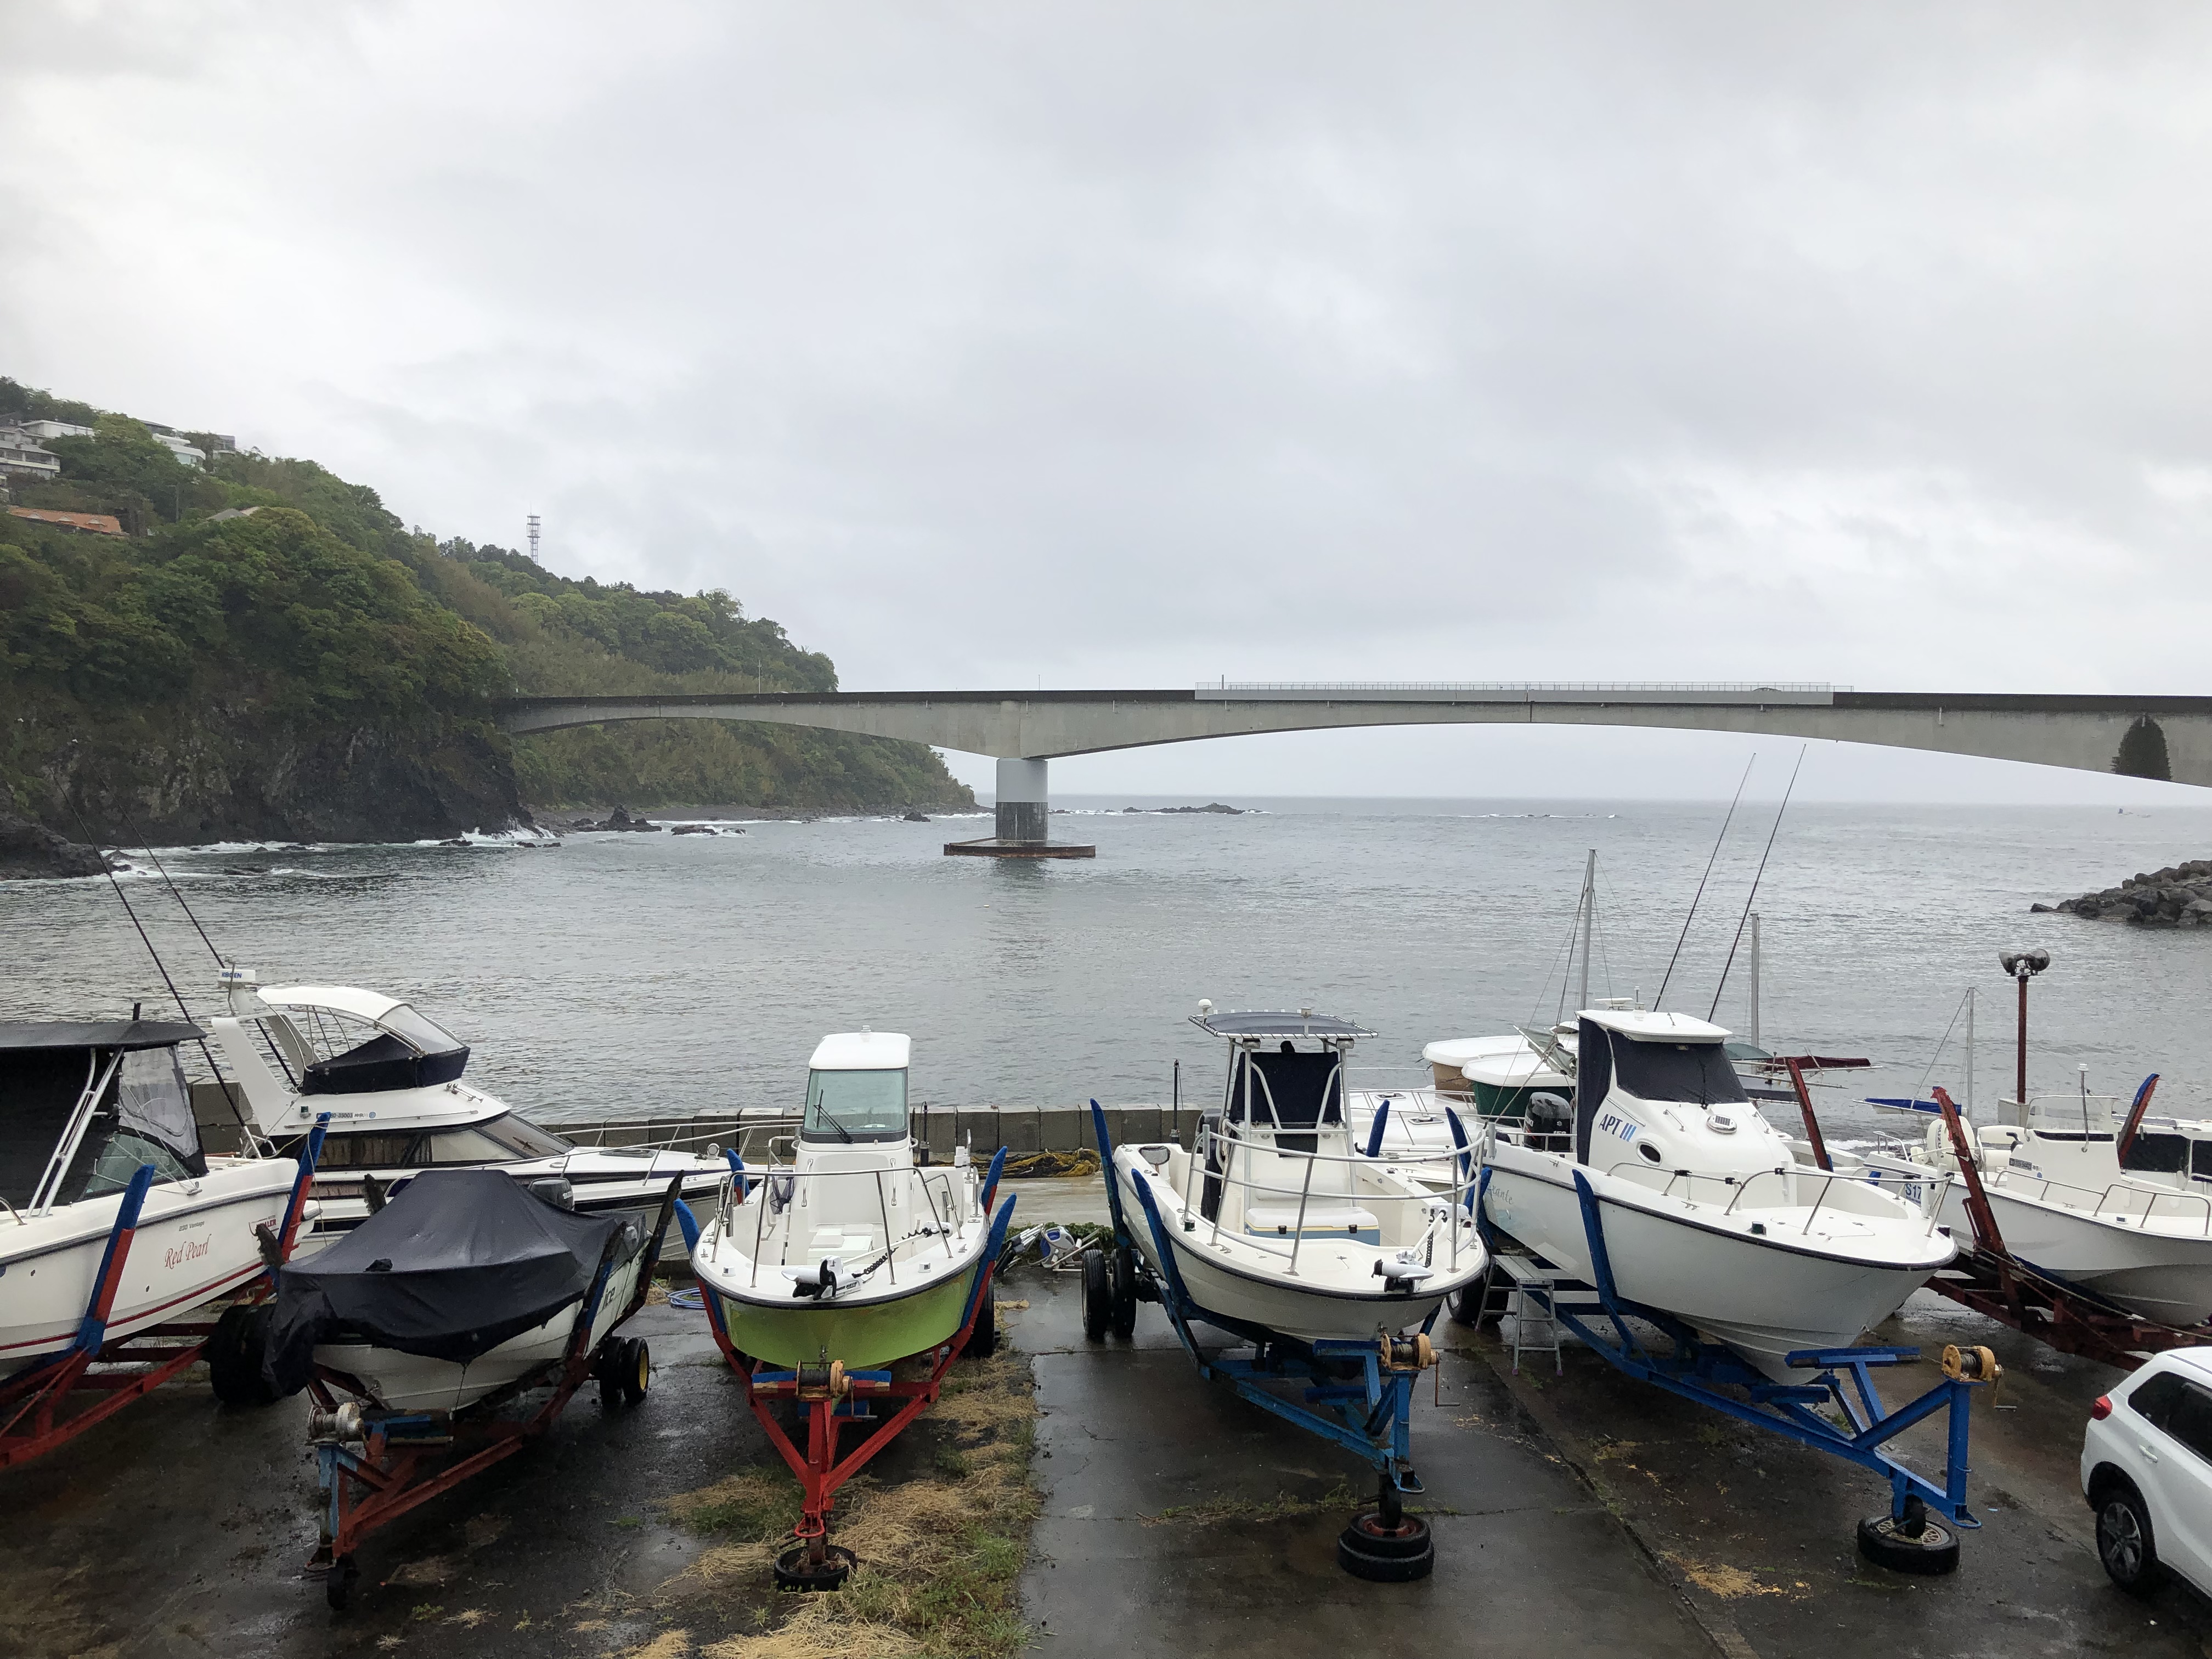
2161, 1275
1760, 1297
864, 1335
1223, 1284
190, 1247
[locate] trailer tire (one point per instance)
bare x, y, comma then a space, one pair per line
1097, 1295
1124, 1321
636, 1375
983, 1339
339, 1579
234, 1353
1934, 1552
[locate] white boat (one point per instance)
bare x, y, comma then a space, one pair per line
850, 1253
1474, 1078
2139, 1236
391, 1080
84, 1107
1705, 1214
465, 1288
1273, 1224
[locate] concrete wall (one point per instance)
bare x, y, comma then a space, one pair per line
2080, 733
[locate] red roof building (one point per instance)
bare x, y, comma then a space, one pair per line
87, 523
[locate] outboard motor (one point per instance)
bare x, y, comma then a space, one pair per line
1551, 1124
554, 1190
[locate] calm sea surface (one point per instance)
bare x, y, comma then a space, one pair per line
635, 975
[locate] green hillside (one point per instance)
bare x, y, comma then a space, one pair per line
314, 668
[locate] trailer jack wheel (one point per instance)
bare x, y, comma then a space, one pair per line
796, 1571
1384, 1555
338, 1580
1910, 1543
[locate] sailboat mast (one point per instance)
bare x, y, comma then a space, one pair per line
1969, 1054
1590, 908
1754, 981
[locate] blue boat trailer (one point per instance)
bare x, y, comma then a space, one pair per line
1355, 1395
1710, 1374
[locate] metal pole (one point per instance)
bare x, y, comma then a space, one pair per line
1589, 901
1754, 981
2020, 1086
1970, 1052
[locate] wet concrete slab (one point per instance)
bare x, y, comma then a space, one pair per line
1133, 1440
180, 1528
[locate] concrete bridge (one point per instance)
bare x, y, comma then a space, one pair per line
2164, 737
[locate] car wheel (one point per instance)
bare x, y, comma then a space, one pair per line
2126, 1544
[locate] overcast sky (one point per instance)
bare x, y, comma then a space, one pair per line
1125, 344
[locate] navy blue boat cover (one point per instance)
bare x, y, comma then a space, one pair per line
456, 1262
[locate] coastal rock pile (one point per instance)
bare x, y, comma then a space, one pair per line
28, 851
2180, 896
619, 818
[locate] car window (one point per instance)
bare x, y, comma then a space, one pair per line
2191, 1420
2154, 1398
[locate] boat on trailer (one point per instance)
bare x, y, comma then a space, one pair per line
1331, 1264
824, 1275
118, 1225
2116, 1204
1709, 1215
389, 1080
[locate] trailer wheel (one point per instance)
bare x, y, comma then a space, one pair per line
1123, 1323
1915, 1544
1383, 1555
636, 1375
983, 1337
234, 1353
338, 1581
1097, 1295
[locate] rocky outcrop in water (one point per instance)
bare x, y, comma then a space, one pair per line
2180, 896
29, 851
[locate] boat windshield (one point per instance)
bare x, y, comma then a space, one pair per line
1696, 1073
843, 1106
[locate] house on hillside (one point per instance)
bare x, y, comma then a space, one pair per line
76, 524
44, 430
21, 452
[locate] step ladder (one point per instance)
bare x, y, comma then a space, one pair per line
1532, 1296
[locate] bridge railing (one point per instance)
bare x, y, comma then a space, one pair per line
1745, 692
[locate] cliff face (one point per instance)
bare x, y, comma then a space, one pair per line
225, 775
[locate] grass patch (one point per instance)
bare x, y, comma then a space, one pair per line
1281, 1507
941, 1555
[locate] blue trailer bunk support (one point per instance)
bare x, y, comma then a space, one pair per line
1705, 1373
1360, 1394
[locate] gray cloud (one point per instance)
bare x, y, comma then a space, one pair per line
1127, 344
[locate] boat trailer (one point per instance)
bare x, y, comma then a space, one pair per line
375, 1465
1357, 1394
829, 1396
1710, 1374
50, 1404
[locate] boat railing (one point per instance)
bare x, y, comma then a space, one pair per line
775, 1189
2120, 1201
1436, 1205
1792, 1183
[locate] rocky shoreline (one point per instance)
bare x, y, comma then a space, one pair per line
31, 852
2180, 896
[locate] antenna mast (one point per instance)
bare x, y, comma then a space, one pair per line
1589, 906
533, 539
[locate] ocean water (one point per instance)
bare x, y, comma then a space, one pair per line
655, 974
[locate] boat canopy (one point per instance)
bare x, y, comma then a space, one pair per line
1286, 1088
342, 1040
113, 1087
455, 1263
862, 1051
1303, 1022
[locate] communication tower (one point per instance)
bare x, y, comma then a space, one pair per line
533, 539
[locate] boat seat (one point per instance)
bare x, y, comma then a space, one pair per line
1333, 1216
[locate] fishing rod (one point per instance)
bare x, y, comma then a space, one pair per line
1752, 898
1660, 1002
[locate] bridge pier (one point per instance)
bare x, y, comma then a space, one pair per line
1025, 813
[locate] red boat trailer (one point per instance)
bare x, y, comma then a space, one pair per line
830, 1396
1992, 1281
376, 1465
51, 1403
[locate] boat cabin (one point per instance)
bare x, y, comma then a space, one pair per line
1660, 1089
83, 1106
856, 1090
1278, 1149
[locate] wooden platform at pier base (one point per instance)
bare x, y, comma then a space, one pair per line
990, 847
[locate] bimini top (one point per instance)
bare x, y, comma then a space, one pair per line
1647, 1026
371, 1006
1303, 1022
862, 1051
125, 1033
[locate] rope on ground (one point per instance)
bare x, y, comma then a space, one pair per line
1033, 1166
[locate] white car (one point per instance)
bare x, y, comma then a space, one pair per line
2147, 1472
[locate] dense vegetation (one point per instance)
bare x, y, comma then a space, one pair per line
211, 675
